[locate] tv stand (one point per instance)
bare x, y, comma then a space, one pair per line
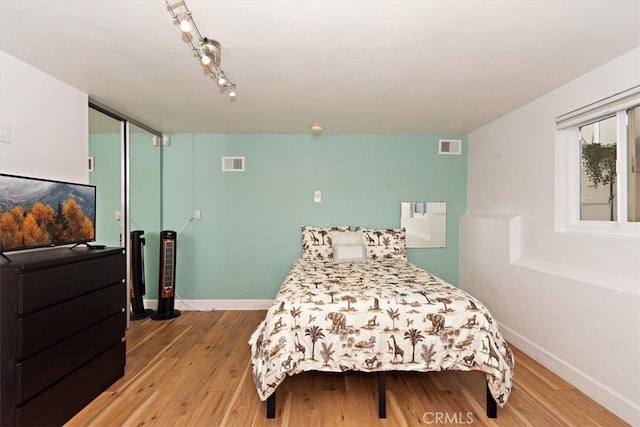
3, 256
89, 246
62, 322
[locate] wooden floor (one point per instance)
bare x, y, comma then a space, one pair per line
195, 371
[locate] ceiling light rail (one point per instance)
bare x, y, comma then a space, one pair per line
208, 51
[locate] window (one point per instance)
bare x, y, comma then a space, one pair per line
597, 167
633, 168
598, 170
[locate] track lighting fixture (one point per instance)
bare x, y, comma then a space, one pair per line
207, 50
185, 22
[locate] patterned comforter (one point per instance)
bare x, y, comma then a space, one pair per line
386, 315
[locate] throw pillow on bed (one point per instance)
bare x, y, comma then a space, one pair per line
316, 242
348, 247
385, 243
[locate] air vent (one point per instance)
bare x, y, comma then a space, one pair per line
233, 164
449, 146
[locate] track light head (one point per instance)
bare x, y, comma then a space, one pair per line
210, 49
185, 23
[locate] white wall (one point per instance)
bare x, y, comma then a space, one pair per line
570, 301
49, 124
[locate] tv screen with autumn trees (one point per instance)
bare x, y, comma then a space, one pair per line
37, 213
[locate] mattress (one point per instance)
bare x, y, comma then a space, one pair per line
385, 315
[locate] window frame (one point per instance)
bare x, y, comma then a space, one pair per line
568, 167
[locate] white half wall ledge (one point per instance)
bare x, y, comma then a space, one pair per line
601, 280
215, 304
512, 225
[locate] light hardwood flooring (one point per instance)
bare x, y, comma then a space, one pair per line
194, 370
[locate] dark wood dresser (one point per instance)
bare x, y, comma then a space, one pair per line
63, 321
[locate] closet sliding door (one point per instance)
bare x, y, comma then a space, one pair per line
106, 172
145, 199
125, 160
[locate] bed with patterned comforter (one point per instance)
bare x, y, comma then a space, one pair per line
382, 315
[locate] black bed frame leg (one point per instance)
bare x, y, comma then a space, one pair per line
382, 397
492, 406
271, 405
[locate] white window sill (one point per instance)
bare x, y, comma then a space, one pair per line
602, 229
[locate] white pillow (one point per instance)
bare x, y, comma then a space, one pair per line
346, 238
349, 253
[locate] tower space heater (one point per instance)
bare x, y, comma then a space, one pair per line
167, 282
138, 287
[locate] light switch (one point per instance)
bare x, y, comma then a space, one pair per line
317, 196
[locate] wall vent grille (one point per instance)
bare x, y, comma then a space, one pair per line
450, 146
233, 164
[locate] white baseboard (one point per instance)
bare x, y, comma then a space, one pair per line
215, 304
601, 393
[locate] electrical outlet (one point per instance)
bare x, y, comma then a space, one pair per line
317, 196
196, 215
5, 132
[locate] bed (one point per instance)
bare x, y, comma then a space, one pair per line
354, 302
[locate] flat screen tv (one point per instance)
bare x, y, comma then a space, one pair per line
36, 213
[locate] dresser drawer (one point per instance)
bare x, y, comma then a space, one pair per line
42, 288
48, 366
58, 403
43, 328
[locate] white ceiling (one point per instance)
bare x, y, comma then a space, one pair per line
390, 67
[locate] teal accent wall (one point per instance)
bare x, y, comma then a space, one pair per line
105, 148
249, 234
145, 186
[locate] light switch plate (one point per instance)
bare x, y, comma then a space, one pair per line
317, 196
